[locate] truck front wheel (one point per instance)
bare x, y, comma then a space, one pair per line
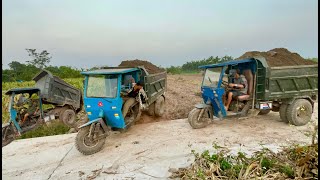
299, 112
196, 118
87, 145
159, 106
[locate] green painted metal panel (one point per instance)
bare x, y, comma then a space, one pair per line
292, 81
155, 85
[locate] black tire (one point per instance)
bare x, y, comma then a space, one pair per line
151, 109
69, 118
275, 109
264, 111
87, 148
299, 112
8, 135
193, 119
62, 110
159, 106
283, 113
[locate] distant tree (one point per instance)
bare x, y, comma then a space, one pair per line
39, 60
313, 59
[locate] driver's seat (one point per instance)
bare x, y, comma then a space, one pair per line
249, 77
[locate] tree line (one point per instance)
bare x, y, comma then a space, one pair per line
193, 66
26, 71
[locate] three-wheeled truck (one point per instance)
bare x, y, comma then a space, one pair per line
67, 101
289, 90
105, 92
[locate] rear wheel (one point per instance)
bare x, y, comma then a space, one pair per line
299, 112
264, 111
159, 106
69, 118
151, 109
87, 145
197, 118
283, 113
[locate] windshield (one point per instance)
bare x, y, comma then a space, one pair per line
211, 77
105, 86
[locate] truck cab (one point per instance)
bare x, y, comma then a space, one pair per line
104, 90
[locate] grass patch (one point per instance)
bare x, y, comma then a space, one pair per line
55, 128
293, 162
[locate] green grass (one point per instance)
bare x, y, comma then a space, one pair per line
55, 128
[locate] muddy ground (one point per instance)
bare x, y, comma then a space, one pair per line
183, 92
149, 149
146, 151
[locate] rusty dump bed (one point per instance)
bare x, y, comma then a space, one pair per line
56, 91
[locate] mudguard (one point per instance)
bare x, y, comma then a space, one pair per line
103, 124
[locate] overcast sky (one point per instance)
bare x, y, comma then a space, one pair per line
165, 32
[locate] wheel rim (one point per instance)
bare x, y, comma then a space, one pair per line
303, 112
88, 143
69, 118
200, 119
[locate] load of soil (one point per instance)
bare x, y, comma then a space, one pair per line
279, 57
151, 68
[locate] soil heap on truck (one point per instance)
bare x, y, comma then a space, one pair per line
289, 90
26, 110
106, 91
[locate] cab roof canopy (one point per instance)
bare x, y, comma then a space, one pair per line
112, 70
233, 62
22, 90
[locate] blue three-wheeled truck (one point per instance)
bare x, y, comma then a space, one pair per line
105, 91
289, 90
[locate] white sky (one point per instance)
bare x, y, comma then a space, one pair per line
89, 33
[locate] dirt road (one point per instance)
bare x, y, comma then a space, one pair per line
147, 151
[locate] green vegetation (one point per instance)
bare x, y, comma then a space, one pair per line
293, 162
313, 59
192, 66
55, 128
25, 72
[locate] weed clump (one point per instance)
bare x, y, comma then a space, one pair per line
293, 162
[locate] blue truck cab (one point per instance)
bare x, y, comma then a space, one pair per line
105, 92
102, 94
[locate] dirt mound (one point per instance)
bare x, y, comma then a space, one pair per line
183, 92
279, 57
151, 68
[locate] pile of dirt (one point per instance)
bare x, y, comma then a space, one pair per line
151, 68
183, 92
279, 57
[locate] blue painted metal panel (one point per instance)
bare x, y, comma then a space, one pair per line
233, 62
13, 114
111, 106
110, 71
